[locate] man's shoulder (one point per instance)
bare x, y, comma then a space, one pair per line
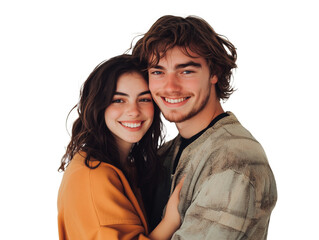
229, 129
169, 146
230, 144
232, 125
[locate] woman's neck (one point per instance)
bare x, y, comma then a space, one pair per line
128, 167
124, 149
124, 152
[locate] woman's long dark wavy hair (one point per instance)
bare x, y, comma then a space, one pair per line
91, 135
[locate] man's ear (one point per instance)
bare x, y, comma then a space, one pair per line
214, 79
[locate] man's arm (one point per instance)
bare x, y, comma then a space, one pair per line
225, 207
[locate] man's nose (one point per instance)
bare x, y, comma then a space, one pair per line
172, 82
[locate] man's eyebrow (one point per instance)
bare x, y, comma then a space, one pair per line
190, 63
181, 65
126, 95
157, 67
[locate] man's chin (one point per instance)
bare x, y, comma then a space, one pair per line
175, 117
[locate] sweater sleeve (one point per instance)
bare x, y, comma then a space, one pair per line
223, 208
116, 206
99, 204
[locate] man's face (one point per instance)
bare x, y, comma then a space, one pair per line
181, 85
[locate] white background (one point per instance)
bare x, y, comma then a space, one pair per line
48, 48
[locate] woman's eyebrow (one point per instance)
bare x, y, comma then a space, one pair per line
127, 95
121, 94
145, 92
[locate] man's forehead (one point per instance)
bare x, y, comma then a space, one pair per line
176, 55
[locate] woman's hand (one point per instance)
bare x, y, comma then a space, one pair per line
172, 219
172, 215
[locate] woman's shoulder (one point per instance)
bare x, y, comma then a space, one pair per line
101, 194
97, 170
79, 180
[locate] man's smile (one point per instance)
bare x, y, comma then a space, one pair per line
175, 100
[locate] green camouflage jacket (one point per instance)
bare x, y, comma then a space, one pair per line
229, 191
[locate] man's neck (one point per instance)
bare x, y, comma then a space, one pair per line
200, 121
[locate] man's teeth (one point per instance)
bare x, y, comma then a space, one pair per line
132, 125
175, 100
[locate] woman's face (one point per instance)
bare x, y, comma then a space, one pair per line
131, 112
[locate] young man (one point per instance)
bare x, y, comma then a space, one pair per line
229, 190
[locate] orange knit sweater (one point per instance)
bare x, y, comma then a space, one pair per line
98, 204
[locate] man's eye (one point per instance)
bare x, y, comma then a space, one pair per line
156, 72
117, 101
187, 71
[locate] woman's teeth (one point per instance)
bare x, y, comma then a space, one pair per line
132, 125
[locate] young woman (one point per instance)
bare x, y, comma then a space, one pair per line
111, 163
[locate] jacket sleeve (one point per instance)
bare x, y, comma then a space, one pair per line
223, 208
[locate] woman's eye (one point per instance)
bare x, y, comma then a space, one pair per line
117, 101
145, 100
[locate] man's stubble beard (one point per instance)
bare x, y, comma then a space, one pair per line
192, 113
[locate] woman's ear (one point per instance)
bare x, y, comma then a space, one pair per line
214, 79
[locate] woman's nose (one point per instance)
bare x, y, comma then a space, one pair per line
133, 110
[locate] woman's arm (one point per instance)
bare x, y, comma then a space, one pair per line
171, 221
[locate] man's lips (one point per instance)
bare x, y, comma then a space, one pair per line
176, 101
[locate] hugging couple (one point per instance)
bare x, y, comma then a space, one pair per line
122, 181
